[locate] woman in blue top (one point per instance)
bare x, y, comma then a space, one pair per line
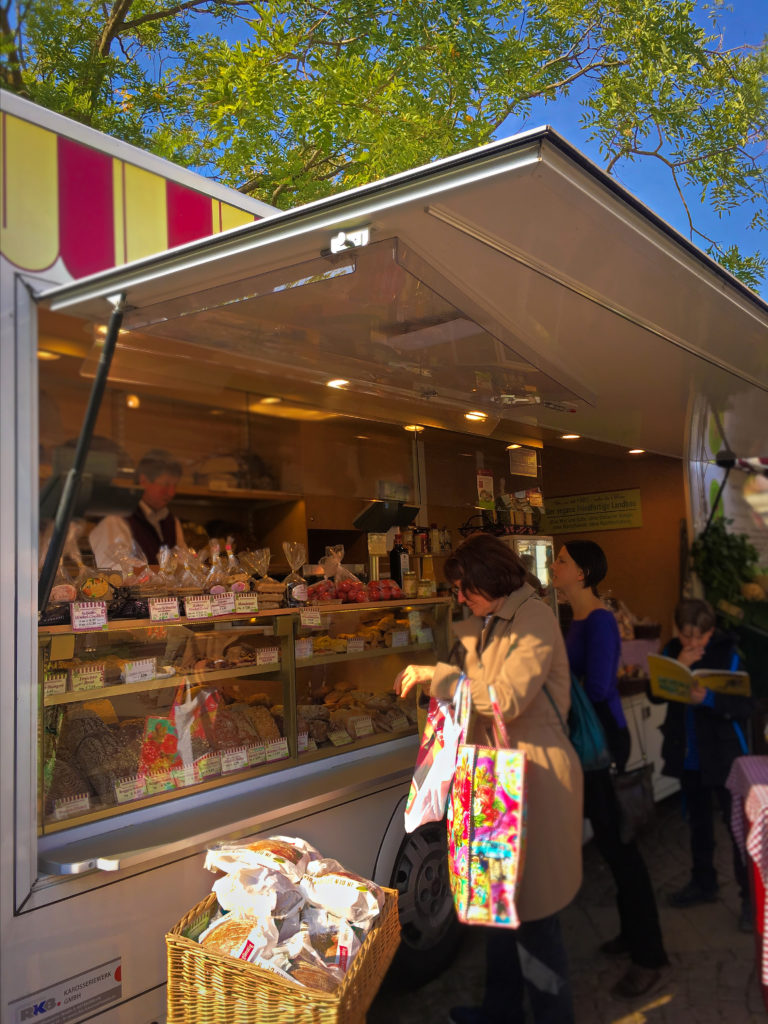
594, 646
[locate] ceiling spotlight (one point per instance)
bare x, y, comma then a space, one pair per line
636, 451
570, 437
476, 416
270, 400
45, 356
511, 447
413, 427
132, 401
337, 382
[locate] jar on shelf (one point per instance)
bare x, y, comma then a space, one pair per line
426, 588
410, 584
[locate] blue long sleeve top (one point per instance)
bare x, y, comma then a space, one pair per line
594, 648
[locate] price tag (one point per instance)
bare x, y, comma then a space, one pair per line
268, 656
425, 636
414, 622
185, 776
310, 616
339, 737
304, 647
311, 745
222, 604
88, 677
234, 760
129, 789
198, 606
355, 645
54, 685
139, 671
162, 609
208, 765
88, 616
277, 749
256, 754
246, 604
398, 721
360, 725
158, 782
302, 742
71, 806
197, 926
400, 637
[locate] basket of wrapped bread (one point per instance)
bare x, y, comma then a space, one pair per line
286, 935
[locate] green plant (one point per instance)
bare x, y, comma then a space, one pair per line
723, 561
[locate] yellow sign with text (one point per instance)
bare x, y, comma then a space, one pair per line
605, 510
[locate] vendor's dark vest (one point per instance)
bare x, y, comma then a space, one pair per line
146, 537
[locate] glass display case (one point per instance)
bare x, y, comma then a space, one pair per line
137, 712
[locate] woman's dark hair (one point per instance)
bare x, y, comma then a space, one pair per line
692, 611
155, 463
591, 559
485, 565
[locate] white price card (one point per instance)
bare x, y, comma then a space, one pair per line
129, 789
88, 616
163, 609
158, 782
88, 677
277, 750
360, 725
339, 737
139, 671
310, 616
400, 637
268, 656
54, 685
222, 604
398, 721
414, 621
256, 754
70, 806
302, 742
355, 645
198, 606
208, 765
304, 647
234, 760
425, 636
186, 775
246, 604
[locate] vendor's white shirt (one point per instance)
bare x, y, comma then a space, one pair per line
112, 529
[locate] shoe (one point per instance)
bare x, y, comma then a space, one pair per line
636, 982
615, 947
745, 918
690, 895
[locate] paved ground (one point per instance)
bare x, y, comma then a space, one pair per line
712, 978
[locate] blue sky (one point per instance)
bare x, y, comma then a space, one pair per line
745, 21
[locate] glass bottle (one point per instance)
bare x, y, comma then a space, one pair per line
399, 560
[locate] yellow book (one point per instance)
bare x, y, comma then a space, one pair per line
673, 681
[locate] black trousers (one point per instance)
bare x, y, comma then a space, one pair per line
635, 898
699, 803
533, 958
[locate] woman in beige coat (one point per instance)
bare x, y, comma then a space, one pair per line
513, 640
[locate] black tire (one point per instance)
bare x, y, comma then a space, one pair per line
430, 931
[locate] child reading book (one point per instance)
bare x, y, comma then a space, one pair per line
701, 739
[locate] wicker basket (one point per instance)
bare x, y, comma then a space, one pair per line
205, 987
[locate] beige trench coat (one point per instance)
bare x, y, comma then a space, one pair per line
522, 648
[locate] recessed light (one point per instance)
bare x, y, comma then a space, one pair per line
270, 400
475, 415
337, 382
362, 437
570, 437
510, 447
45, 356
132, 401
413, 427
636, 451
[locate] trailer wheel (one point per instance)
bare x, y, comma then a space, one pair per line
430, 930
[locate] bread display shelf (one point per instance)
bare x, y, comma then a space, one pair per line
374, 652
165, 683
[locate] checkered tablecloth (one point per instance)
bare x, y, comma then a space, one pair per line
748, 783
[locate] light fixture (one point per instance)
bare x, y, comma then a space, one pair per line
476, 416
414, 428
44, 356
337, 382
270, 400
636, 451
570, 437
511, 447
132, 401
362, 437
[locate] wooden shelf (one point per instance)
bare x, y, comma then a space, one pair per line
170, 682
374, 652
